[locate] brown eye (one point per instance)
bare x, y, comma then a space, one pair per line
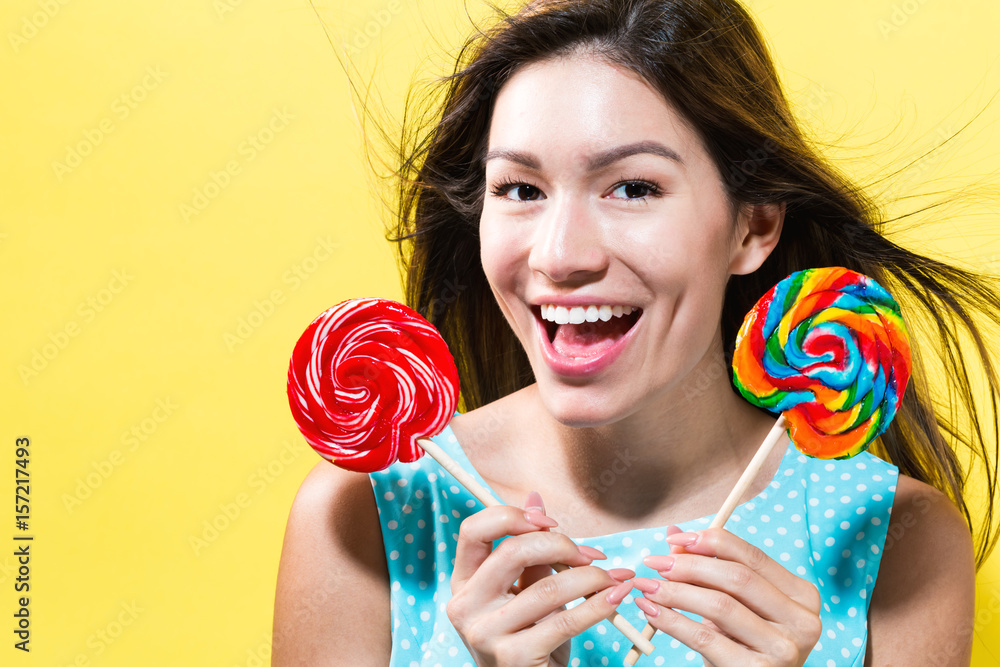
522, 191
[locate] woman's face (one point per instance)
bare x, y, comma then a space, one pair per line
606, 237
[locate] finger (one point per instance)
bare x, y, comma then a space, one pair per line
735, 580
478, 532
535, 572
720, 543
675, 548
710, 643
551, 594
560, 628
728, 614
509, 560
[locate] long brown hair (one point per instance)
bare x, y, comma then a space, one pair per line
711, 64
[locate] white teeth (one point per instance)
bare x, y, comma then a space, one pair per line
581, 314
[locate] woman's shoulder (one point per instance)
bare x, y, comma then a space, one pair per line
924, 598
332, 536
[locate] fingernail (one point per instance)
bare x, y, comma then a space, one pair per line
534, 502
659, 563
647, 606
646, 585
619, 592
621, 573
536, 518
683, 539
591, 552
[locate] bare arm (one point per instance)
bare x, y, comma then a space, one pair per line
923, 605
332, 601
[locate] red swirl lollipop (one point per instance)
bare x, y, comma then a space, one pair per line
367, 379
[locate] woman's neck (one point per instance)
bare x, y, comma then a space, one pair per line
673, 460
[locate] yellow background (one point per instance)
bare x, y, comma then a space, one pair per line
157, 406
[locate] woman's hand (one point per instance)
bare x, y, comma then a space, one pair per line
755, 611
503, 623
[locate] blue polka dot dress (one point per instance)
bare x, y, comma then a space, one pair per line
825, 521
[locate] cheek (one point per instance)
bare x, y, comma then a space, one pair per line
499, 252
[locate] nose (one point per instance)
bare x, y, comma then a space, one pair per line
568, 243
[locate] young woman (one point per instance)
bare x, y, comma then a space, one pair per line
609, 187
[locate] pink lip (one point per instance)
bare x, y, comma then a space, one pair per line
572, 367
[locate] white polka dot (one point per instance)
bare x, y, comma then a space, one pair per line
829, 541
405, 643
844, 652
779, 508
393, 555
846, 476
470, 503
860, 510
421, 523
862, 487
690, 655
830, 489
831, 634
589, 645
410, 600
409, 569
784, 556
453, 651
626, 541
861, 466
782, 530
801, 570
814, 477
877, 478
601, 630
845, 499
769, 542
456, 514
752, 529
799, 544
389, 495
418, 493
831, 571
857, 641
393, 524
852, 612
876, 521
835, 599
844, 525
813, 502
828, 514
829, 466
796, 518
401, 483
793, 494
765, 518
408, 539
877, 497
407, 509
425, 616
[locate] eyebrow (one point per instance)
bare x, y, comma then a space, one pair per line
595, 162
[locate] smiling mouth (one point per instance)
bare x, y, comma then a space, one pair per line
586, 331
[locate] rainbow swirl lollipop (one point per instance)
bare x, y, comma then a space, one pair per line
368, 378
828, 349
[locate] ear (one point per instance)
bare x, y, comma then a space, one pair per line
758, 230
